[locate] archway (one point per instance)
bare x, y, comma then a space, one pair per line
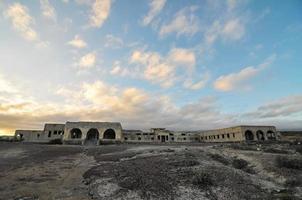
260, 135
92, 136
270, 135
249, 135
109, 134
75, 133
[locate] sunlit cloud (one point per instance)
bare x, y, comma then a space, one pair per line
22, 21
113, 42
100, 11
238, 80
77, 42
88, 60
48, 11
185, 22
155, 8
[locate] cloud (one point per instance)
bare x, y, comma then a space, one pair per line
77, 42
22, 21
184, 23
100, 11
155, 8
231, 30
48, 11
88, 60
189, 84
284, 107
178, 65
238, 80
113, 42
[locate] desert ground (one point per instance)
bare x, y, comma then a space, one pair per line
145, 171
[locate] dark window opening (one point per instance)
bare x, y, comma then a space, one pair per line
109, 134
139, 138
76, 133
55, 132
126, 138
49, 133
158, 137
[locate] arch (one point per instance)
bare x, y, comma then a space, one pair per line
260, 135
249, 135
109, 134
271, 135
92, 136
76, 133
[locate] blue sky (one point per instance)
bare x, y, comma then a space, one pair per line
151, 63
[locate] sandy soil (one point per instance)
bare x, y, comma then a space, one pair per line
193, 171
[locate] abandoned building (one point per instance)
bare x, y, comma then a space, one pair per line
96, 133
240, 133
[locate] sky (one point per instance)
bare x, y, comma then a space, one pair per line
183, 65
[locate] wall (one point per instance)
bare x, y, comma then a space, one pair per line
235, 134
86, 126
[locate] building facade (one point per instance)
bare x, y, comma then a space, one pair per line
95, 133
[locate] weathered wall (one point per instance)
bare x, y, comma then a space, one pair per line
238, 133
84, 127
30, 135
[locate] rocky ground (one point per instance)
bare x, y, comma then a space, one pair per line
178, 171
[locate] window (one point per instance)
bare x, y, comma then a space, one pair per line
214, 137
60, 132
222, 135
167, 137
152, 138
185, 138
233, 134
206, 137
138, 134
55, 132
172, 138
38, 135
228, 135
49, 133
158, 137
139, 138
183, 134
217, 136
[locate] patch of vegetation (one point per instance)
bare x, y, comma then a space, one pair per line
203, 179
185, 163
239, 163
273, 150
242, 165
219, 158
290, 163
293, 182
244, 147
298, 148
55, 141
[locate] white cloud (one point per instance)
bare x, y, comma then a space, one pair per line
100, 11
189, 84
238, 80
48, 11
184, 23
22, 21
176, 66
183, 57
77, 42
155, 7
231, 30
284, 107
113, 42
88, 60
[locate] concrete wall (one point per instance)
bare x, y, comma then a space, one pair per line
30, 135
84, 127
160, 135
238, 134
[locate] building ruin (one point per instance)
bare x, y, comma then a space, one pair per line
96, 133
